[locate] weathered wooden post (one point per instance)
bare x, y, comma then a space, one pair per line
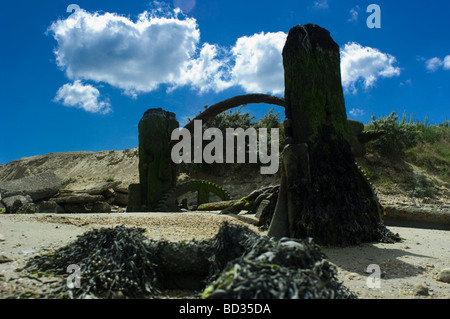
322, 193
157, 172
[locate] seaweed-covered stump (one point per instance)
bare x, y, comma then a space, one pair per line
248, 266
323, 194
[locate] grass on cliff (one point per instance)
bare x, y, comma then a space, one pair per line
432, 153
412, 156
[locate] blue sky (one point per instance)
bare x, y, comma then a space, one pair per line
81, 81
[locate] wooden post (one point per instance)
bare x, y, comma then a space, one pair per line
323, 194
157, 172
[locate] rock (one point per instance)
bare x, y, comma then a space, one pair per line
444, 275
122, 188
262, 206
121, 199
50, 207
40, 186
100, 188
420, 290
79, 199
109, 195
14, 203
101, 207
4, 259
76, 208
28, 208
2, 238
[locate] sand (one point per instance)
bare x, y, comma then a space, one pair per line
404, 267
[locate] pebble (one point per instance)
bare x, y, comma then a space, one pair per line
444, 275
420, 290
353, 276
2, 238
4, 259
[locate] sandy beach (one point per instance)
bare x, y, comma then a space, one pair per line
408, 269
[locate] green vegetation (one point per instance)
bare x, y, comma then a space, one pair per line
387, 165
230, 119
407, 141
236, 118
420, 186
397, 136
433, 151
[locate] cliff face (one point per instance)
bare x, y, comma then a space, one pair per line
78, 168
81, 170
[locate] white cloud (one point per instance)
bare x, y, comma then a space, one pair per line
407, 82
139, 56
259, 63
209, 71
433, 64
356, 112
82, 96
436, 63
354, 14
447, 62
365, 64
134, 56
321, 4
163, 48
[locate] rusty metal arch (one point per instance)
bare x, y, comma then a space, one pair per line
233, 102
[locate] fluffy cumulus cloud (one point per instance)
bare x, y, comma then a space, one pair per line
433, 64
82, 96
258, 62
134, 56
163, 48
209, 71
447, 62
366, 65
436, 63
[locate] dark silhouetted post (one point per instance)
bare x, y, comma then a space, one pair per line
323, 194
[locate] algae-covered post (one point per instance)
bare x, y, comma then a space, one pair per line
157, 173
323, 194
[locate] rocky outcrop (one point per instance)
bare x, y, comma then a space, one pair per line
44, 193
14, 203
78, 199
79, 168
38, 187
50, 207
